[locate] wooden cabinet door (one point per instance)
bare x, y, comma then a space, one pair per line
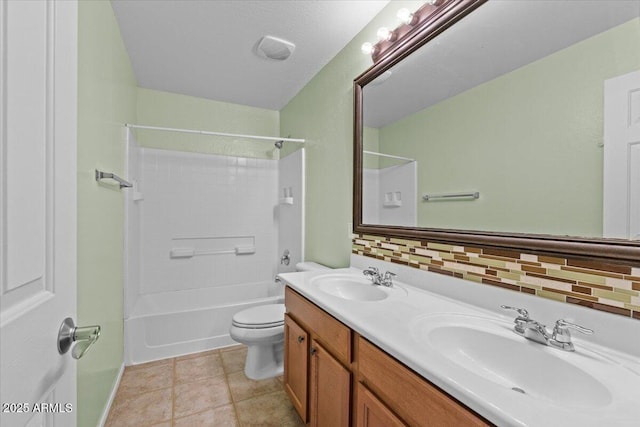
373, 413
296, 362
410, 396
330, 385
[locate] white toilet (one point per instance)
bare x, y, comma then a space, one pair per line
261, 329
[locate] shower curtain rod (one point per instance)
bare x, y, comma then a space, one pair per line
205, 132
389, 156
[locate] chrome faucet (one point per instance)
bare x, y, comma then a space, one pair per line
379, 279
561, 337
532, 330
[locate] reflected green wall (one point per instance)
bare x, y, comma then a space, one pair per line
529, 141
322, 112
164, 109
106, 100
370, 142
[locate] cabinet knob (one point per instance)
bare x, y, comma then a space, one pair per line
313, 351
300, 338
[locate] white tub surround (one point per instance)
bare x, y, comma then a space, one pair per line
290, 210
171, 324
203, 244
391, 324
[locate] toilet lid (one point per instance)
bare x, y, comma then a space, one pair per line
262, 316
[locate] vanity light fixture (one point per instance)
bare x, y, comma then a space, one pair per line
405, 17
387, 38
385, 34
367, 48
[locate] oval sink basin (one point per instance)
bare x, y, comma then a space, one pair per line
351, 287
490, 349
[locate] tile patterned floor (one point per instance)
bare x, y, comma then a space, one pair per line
202, 389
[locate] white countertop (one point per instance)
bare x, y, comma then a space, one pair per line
387, 323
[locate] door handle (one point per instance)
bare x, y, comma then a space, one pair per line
84, 337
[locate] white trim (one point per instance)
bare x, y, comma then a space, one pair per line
205, 132
389, 156
112, 396
303, 201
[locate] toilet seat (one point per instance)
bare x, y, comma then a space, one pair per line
260, 317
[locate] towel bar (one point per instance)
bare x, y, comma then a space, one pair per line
108, 175
427, 197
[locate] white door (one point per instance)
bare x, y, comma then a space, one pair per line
38, 66
622, 157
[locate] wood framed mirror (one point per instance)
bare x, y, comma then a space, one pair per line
534, 193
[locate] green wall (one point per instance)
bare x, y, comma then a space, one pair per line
163, 109
106, 100
529, 141
322, 112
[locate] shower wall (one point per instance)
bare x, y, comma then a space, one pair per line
202, 244
206, 220
290, 211
390, 195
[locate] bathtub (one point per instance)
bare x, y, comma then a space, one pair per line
171, 324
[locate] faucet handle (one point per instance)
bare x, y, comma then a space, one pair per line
387, 280
521, 321
562, 326
561, 337
373, 274
521, 311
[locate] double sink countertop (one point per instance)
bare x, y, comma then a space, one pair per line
474, 355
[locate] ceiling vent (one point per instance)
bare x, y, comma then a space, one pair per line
274, 48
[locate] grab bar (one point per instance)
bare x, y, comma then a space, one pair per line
108, 175
427, 197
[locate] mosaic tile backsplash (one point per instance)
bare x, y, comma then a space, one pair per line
613, 288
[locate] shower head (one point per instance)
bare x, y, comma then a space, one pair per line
278, 144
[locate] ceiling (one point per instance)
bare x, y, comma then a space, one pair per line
207, 48
497, 38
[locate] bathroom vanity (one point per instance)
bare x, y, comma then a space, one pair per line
366, 355
333, 375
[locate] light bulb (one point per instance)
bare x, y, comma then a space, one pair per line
384, 34
367, 48
405, 16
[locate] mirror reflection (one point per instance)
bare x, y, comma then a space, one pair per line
523, 117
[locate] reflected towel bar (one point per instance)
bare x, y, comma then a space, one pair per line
427, 197
108, 175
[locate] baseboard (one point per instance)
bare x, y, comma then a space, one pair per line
112, 396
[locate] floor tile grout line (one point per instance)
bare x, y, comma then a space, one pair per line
233, 401
226, 372
222, 375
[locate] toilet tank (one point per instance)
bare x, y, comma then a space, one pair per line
277, 288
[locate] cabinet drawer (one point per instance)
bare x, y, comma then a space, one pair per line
407, 394
333, 335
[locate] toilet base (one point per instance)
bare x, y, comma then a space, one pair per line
264, 361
